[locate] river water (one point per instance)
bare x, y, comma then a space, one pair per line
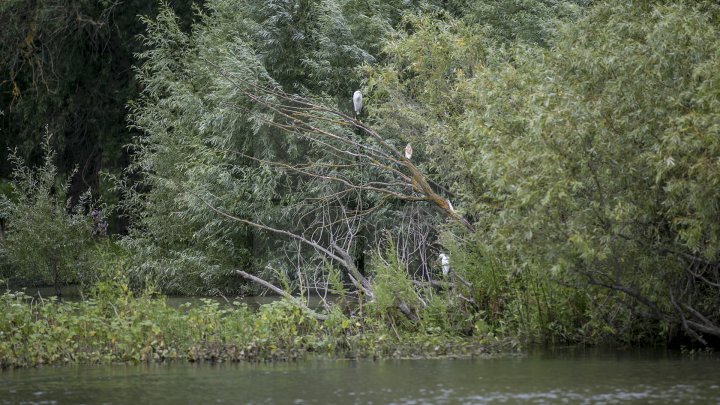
561, 376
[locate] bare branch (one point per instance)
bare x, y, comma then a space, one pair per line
301, 112
340, 256
282, 293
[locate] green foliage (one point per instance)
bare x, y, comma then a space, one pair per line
306, 44
68, 66
445, 314
512, 300
205, 143
196, 134
65, 67
391, 284
580, 139
521, 21
48, 238
114, 325
587, 160
577, 149
335, 283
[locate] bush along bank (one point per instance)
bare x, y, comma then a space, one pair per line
116, 326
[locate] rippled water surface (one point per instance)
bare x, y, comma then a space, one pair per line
561, 376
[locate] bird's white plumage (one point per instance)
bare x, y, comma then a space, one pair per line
408, 152
357, 102
445, 263
452, 209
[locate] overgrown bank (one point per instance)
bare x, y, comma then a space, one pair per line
115, 326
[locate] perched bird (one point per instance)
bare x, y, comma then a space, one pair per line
357, 102
408, 152
452, 209
445, 263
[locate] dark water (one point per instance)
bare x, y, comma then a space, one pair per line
562, 376
72, 293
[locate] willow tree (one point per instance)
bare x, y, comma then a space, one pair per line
67, 66
48, 238
579, 155
591, 161
206, 139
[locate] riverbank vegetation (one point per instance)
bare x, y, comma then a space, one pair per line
114, 325
538, 171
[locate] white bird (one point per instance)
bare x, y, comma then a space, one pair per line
452, 209
408, 152
445, 262
357, 102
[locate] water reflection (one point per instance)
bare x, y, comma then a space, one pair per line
573, 377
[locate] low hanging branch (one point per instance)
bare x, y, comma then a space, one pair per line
282, 293
339, 255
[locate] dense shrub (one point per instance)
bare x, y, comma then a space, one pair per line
48, 237
588, 164
596, 161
